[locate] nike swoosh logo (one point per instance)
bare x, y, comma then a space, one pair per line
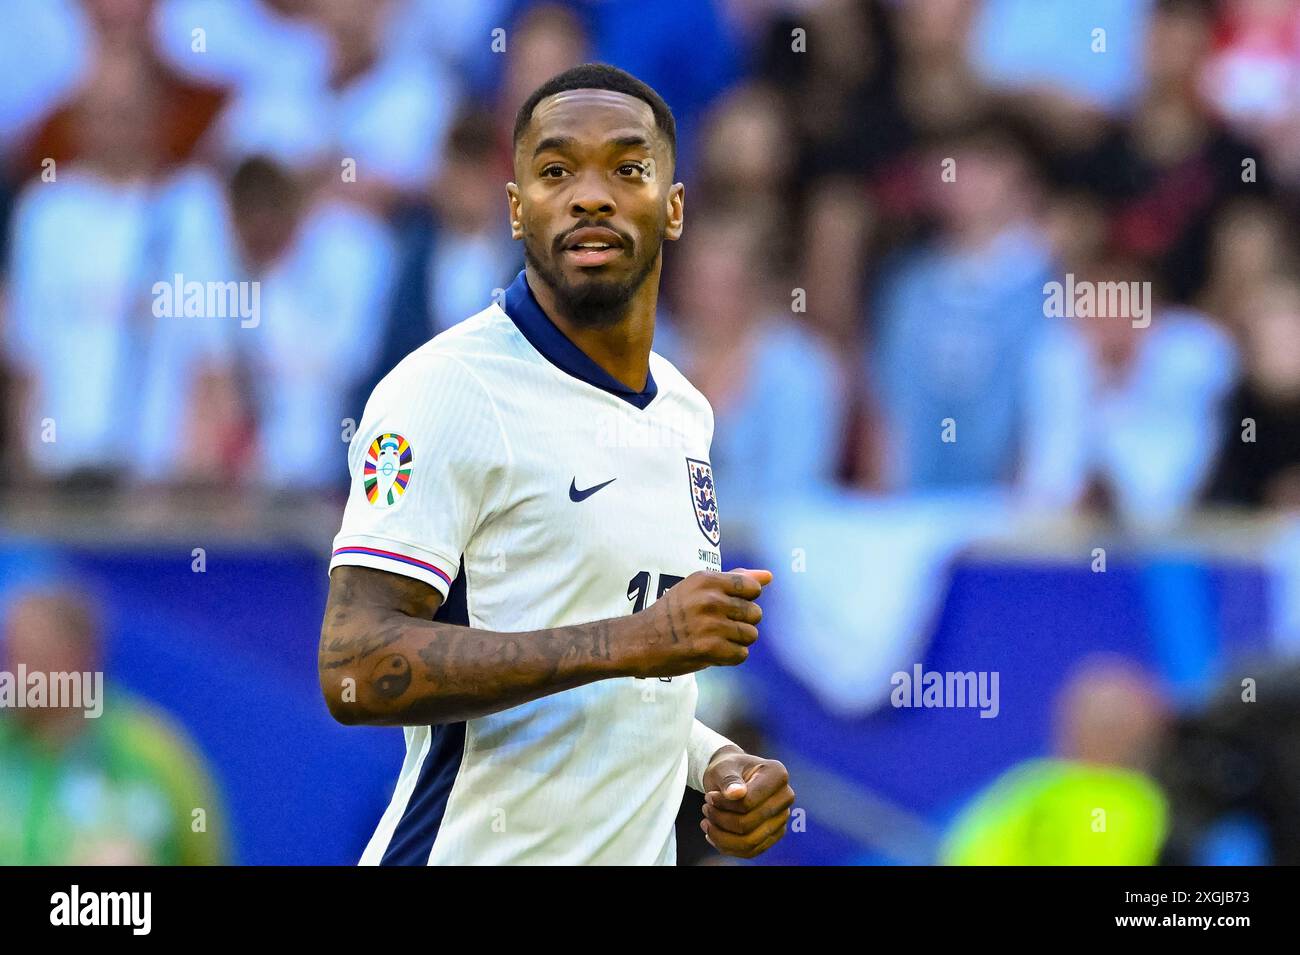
575, 495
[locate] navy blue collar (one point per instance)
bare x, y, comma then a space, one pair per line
535, 325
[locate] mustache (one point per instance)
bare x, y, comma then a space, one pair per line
563, 239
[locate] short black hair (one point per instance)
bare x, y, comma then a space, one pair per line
600, 76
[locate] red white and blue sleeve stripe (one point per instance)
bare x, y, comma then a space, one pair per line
396, 558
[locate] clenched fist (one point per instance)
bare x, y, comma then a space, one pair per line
708, 619
747, 802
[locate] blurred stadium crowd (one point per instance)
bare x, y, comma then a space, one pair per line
877, 195
836, 296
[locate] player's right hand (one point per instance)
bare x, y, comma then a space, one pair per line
708, 619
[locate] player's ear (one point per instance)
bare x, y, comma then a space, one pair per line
676, 211
516, 212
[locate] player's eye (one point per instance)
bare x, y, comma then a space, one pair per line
552, 172
632, 169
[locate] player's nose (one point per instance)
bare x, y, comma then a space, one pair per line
592, 197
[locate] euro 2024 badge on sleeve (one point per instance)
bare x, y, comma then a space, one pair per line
387, 469
704, 499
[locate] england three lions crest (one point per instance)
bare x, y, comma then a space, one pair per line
704, 499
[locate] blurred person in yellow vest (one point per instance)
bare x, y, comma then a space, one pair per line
89, 776
1092, 805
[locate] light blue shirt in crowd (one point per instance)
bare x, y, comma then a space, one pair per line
953, 335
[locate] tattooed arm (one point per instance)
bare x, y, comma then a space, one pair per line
384, 661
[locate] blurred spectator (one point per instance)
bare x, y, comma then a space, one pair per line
756, 363
1260, 463
745, 153
958, 317
460, 34
1092, 805
236, 35
390, 109
1233, 774
926, 93
545, 39
1125, 417
1168, 170
1254, 74
939, 88
1051, 48
324, 272
649, 46
1252, 244
1253, 77
371, 117
837, 228
121, 788
117, 41
455, 248
843, 93
105, 382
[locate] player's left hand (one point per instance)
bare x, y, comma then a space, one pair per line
747, 802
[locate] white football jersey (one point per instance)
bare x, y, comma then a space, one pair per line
501, 465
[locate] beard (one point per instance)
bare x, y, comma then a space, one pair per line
597, 302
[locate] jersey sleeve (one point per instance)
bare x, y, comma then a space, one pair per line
426, 463
700, 749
